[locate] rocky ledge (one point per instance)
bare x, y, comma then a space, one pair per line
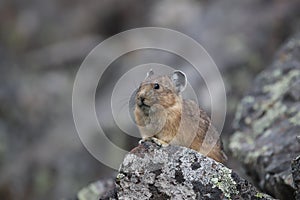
153, 172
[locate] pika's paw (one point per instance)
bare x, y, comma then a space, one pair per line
155, 140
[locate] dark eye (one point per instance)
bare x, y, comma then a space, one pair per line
156, 86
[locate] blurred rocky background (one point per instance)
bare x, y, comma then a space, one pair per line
43, 43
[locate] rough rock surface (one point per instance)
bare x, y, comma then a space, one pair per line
153, 172
296, 176
268, 122
102, 188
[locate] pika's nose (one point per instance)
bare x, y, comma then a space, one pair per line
141, 100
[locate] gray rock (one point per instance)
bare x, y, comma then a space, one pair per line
153, 172
267, 123
296, 176
102, 188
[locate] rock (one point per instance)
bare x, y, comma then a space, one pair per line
296, 176
153, 172
267, 123
102, 188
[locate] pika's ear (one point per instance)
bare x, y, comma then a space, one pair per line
179, 80
149, 74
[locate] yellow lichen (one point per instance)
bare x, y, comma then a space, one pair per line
295, 120
225, 182
271, 114
277, 89
259, 195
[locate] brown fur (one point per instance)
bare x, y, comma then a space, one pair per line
173, 120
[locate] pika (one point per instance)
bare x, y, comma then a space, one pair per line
164, 116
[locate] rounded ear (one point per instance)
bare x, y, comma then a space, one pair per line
149, 74
179, 80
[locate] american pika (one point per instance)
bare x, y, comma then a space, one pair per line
162, 114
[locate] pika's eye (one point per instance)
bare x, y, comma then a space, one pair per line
156, 86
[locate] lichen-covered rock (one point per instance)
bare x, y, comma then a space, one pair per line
102, 188
296, 176
153, 172
268, 122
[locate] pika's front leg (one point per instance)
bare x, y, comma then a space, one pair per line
154, 125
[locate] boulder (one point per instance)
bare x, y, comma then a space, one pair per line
153, 172
267, 124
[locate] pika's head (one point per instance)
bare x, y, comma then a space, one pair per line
160, 90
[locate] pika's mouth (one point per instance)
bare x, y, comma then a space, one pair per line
143, 106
